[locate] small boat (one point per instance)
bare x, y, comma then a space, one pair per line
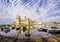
42, 29
5, 29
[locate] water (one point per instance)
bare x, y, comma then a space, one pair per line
33, 34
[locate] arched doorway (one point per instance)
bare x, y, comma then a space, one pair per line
24, 28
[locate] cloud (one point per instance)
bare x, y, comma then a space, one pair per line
33, 9
52, 19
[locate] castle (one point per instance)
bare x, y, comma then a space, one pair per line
27, 23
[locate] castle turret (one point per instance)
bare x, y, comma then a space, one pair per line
18, 21
25, 17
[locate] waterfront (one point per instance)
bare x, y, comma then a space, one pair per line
29, 31
35, 36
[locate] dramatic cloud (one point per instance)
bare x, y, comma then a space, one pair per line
39, 10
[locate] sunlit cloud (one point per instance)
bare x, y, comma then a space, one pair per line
38, 10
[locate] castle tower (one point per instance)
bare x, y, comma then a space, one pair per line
25, 17
18, 21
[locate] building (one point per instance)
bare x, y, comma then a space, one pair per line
27, 23
49, 24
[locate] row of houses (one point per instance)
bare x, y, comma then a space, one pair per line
49, 24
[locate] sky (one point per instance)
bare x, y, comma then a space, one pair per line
38, 10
